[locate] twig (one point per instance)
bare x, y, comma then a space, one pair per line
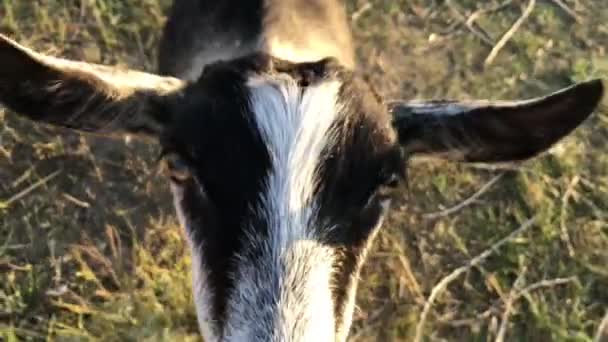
507, 36
565, 235
602, 330
437, 289
502, 331
567, 9
514, 296
464, 203
514, 167
410, 279
475, 15
355, 336
29, 189
358, 13
4, 266
76, 201
468, 321
475, 29
544, 283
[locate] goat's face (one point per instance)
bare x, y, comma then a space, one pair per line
280, 175
281, 172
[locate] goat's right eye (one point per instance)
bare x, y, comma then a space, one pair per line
392, 181
175, 167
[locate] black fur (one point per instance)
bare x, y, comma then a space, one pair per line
200, 32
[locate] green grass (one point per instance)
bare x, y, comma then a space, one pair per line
94, 253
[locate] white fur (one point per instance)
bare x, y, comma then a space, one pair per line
296, 128
202, 294
351, 287
286, 292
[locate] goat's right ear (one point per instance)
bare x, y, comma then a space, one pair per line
83, 96
493, 131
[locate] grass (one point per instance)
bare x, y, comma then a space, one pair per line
94, 252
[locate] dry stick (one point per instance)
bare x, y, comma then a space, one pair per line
76, 201
523, 292
602, 331
358, 13
464, 203
471, 21
507, 36
498, 167
567, 9
544, 283
515, 296
502, 331
564, 234
475, 15
461, 270
468, 321
30, 188
369, 318
470, 24
413, 284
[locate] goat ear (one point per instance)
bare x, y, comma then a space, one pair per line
493, 131
82, 96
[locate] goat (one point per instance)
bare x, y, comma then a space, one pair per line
282, 160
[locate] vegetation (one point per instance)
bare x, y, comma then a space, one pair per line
90, 249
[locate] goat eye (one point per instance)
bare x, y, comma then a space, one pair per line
386, 187
175, 167
391, 181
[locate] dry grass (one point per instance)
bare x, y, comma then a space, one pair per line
93, 253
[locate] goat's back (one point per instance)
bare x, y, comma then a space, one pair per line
200, 32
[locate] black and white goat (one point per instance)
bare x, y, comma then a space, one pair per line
281, 158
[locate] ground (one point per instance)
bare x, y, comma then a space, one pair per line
90, 248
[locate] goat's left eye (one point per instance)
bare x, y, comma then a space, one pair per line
386, 186
392, 181
175, 167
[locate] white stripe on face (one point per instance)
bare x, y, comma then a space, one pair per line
286, 289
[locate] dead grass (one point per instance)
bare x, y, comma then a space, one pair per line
94, 254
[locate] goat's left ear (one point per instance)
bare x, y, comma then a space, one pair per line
82, 96
493, 131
